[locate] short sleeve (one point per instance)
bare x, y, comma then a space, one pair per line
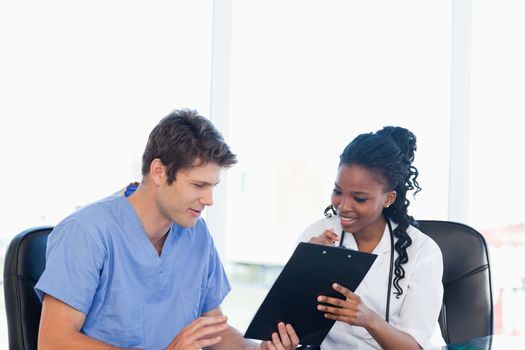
308, 233
218, 285
74, 260
424, 298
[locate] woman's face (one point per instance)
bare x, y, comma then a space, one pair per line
359, 197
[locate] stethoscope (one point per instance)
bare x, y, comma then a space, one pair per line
391, 265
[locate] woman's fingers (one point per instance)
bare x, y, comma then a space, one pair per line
336, 301
350, 310
343, 290
328, 237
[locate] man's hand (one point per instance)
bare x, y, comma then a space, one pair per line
199, 334
285, 339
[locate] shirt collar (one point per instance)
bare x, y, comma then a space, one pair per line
382, 247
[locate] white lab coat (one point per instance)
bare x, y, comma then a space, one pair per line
417, 309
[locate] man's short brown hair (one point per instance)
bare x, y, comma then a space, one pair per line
181, 138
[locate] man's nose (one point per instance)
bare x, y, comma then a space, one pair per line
207, 198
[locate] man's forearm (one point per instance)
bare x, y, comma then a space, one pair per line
60, 326
76, 341
233, 339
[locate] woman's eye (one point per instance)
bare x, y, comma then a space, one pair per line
336, 192
360, 200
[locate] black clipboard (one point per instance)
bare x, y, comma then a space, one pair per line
311, 271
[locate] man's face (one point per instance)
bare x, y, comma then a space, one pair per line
184, 200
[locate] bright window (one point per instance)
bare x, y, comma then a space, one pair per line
497, 144
82, 85
307, 77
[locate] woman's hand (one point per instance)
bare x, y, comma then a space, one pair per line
286, 339
328, 237
352, 310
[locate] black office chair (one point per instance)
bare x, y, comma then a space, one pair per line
25, 260
467, 310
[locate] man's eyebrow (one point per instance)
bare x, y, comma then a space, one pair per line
206, 183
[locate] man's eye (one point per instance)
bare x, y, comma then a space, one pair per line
336, 192
199, 185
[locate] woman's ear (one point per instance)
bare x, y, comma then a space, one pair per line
390, 198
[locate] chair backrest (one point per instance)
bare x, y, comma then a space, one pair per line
25, 261
467, 310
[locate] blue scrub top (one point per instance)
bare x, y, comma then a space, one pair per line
100, 261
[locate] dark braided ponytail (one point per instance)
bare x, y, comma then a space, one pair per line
389, 153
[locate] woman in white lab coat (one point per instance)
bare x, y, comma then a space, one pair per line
397, 304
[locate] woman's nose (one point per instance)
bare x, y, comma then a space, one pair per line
345, 205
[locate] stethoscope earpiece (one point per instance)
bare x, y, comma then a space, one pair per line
330, 211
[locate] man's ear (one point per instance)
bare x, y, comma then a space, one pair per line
157, 172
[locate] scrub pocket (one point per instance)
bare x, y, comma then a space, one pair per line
191, 302
123, 325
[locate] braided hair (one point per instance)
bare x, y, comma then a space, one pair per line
389, 153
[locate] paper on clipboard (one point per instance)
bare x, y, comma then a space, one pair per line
310, 271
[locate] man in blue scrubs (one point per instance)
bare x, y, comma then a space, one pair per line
139, 269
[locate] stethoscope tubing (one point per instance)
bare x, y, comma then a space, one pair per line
390, 273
